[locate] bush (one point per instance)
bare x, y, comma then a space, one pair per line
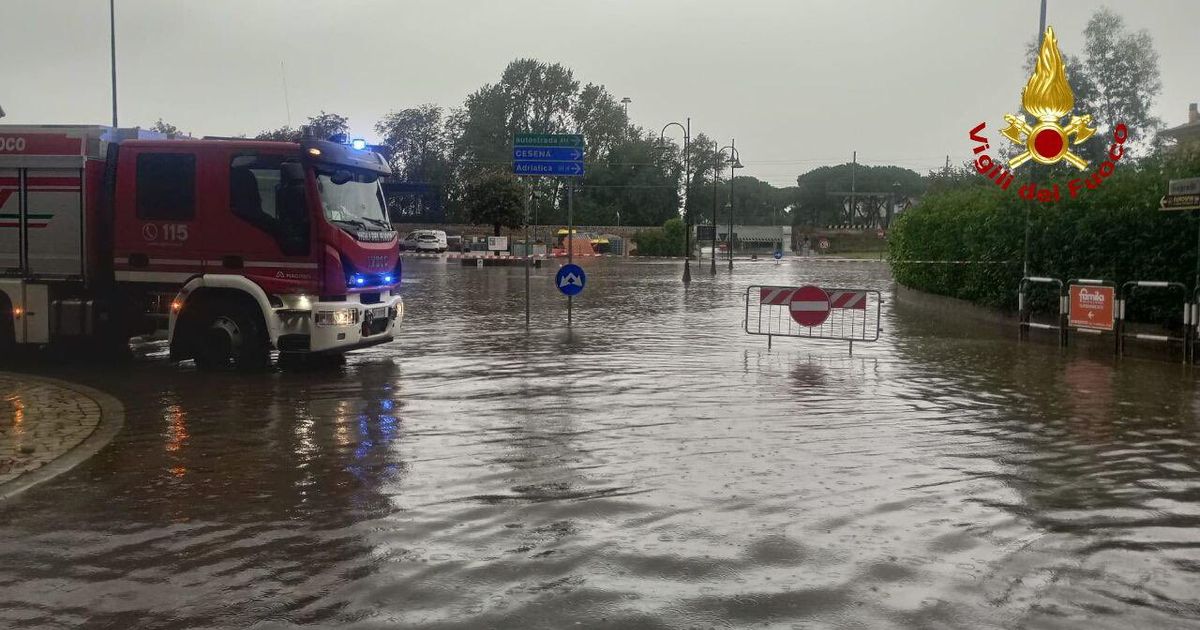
667, 241
1115, 232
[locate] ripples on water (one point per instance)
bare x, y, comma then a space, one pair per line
652, 467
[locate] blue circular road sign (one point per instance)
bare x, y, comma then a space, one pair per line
570, 279
778, 254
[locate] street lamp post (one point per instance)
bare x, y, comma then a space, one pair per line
687, 183
735, 163
112, 43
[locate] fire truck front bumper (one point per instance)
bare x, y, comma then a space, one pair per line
335, 327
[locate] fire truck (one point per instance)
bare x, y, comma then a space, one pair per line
227, 248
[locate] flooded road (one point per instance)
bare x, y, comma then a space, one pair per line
654, 467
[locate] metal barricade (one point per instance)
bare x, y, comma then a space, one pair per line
1128, 290
851, 314
1025, 315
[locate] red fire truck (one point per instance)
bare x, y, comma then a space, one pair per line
227, 247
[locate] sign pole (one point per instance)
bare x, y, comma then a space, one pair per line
570, 237
528, 249
558, 155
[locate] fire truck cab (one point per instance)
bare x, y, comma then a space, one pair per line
227, 248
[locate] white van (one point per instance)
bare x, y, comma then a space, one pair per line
425, 241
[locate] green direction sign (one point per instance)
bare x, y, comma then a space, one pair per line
549, 140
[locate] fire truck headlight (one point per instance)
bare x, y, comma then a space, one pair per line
387, 279
340, 317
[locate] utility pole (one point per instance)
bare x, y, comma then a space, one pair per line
733, 165
687, 183
112, 42
570, 237
1041, 38
528, 249
853, 189
716, 174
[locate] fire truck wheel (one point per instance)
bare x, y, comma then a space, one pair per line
231, 335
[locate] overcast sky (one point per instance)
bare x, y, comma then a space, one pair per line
798, 83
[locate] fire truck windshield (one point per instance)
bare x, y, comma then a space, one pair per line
353, 199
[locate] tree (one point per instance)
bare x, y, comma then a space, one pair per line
417, 142
1123, 66
816, 203
167, 129
282, 134
1116, 81
636, 178
322, 126
707, 165
495, 199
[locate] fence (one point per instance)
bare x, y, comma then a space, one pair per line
835, 314
1097, 307
1129, 290
1026, 313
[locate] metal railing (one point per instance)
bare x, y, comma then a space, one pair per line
768, 313
1026, 316
1128, 290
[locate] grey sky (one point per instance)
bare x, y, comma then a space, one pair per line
798, 83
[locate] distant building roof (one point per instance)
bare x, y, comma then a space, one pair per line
1188, 132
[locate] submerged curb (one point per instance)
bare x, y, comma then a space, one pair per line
112, 418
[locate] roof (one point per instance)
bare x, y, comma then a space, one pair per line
1186, 131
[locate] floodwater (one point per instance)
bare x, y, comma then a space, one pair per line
653, 467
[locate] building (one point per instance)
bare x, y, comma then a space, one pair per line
1187, 134
748, 239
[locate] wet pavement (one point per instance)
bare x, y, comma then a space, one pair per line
39, 422
653, 467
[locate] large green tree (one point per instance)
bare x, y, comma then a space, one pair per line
417, 142
495, 199
1116, 80
634, 182
818, 202
322, 126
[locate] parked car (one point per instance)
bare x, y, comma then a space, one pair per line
425, 241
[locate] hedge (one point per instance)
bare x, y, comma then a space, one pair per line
667, 241
967, 243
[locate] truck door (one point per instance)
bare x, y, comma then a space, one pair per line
11, 202
268, 237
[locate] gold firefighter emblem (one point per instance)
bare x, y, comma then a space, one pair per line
1048, 98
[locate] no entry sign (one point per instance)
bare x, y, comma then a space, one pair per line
810, 306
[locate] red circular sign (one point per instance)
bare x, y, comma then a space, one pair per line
809, 306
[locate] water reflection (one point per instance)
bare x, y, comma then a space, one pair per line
651, 467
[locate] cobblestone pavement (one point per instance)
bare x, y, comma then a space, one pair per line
40, 421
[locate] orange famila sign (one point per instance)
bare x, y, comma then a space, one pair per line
1092, 307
